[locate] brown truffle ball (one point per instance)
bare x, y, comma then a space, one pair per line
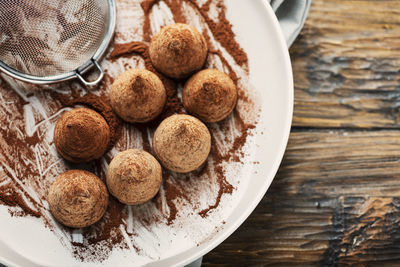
178, 50
134, 176
210, 95
138, 96
78, 198
81, 135
182, 143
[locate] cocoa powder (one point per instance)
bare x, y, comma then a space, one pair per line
13, 194
231, 72
9, 198
102, 237
172, 192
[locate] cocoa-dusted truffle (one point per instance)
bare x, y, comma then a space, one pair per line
178, 50
78, 198
210, 95
182, 143
134, 176
138, 95
81, 135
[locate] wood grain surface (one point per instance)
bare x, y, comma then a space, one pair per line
346, 65
336, 198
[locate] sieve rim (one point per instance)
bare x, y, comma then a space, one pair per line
80, 70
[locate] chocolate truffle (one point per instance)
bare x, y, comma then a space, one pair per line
134, 176
81, 135
178, 50
182, 143
78, 198
210, 95
138, 96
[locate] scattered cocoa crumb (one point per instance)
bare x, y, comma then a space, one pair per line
172, 192
13, 194
10, 198
103, 236
224, 185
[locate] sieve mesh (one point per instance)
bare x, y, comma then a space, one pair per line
46, 38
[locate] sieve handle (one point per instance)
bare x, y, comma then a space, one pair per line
87, 83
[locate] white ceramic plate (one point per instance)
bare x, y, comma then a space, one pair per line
25, 242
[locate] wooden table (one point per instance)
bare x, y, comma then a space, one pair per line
336, 197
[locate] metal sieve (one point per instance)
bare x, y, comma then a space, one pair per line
45, 42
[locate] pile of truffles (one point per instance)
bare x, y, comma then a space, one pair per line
181, 142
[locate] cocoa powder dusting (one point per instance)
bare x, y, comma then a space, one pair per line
146, 6
171, 194
226, 64
234, 154
9, 198
100, 239
12, 148
223, 33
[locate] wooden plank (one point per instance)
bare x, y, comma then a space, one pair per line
335, 200
336, 163
346, 65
